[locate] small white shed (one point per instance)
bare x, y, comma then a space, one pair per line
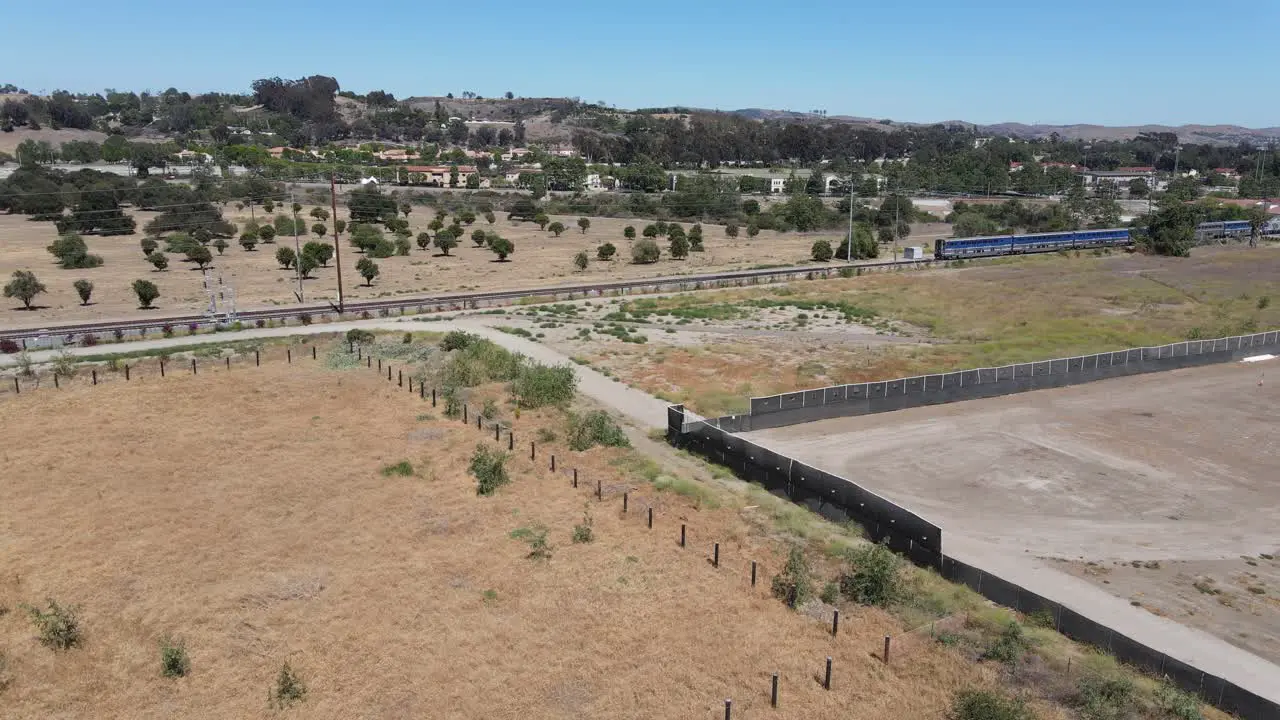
913, 252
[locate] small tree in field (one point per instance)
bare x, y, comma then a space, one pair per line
340, 226
84, 289
146, 291
220, 245
149, 246
556, 228
269, 206
248, 241
679, 246
731, 230
424, 240
821, 251
645, 252
502, 247
307, 264
368, 270
24, 286
650, 231
793, 586
446, 241
585, 224
320, 214
200, 255
606, 251
286, 257
202, 236
629, 232
580, 260
267, 234
753, 230
159, 261
695, 239
541, 219
319, 230
477, 237
467, 217
489, 217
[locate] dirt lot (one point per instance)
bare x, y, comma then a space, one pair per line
248, 514
540, 259
1176, 469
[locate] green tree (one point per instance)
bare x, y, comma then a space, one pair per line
200, 255
146, 291
405, 209
556, 228
815, 185
319, 230
446, 241
143, 156
149, 246
267, 234
220, 245
794, 585
477, 237
436, 225
1138, 188
1183, 189
1258, 218
650, 231
84, 289
1171, 231
340, 226
629, 232
202, 235
286, 257
972, 224
72, 253
821, 251
731, 230
606, 251
541, 219
580, 260
159, 261
368, 204
320, 214
489, 217
523, 209
467, 217
268, 206
679, 246
645, 252
248, 241
502, 247
307, 264
752, 230
24, 286
424, 240
368, 270
402, 245
585, 224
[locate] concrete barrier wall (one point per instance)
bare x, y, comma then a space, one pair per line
840, 499
876, 397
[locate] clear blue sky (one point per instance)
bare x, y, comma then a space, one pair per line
1089, 61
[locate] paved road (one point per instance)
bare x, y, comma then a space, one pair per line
1197, 648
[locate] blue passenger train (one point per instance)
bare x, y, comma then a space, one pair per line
955, 248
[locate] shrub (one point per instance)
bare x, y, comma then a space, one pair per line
1105, 698
72, 253
452, 402
1264, 302
645, 252
59, 628
830, 593
402, 246
1009, 647
821, 251
679, 246
457, 340
580, 260
556, 228
501, 247
731, 230
179, 243
1178, 703
537, 385
149, 246
606, 251
489, 409
547, 435
220, 245
595, 428
173, 658
158, 260
988, 705
489, 468
289, 688
84, 289
793, 586
582, 532
585, 224
146, 291
403, 469
286, 257
383, 248
359, 337
873, 575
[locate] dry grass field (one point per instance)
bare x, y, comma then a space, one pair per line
248, 513
541, 259
984, 315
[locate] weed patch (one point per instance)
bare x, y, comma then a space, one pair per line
289, 688
59, 627
403, 469
174, 661
595, 428
489, 468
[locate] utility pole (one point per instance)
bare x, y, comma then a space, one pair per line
849, 245
337, 253
297, 251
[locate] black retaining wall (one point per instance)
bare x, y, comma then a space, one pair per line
839, 499
876, 397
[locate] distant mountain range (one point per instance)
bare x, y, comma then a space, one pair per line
1206, 134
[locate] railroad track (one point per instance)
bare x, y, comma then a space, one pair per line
456, 301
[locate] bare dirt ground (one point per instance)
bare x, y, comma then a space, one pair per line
247, 513
540, 259
1169, 468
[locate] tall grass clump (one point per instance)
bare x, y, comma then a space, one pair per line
988, 705
537, 385
173, 658
595, 428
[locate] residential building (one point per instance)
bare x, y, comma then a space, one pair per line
439, 175
1121, 177
777, 185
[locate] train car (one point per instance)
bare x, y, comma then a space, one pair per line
1223, 229
956, 248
